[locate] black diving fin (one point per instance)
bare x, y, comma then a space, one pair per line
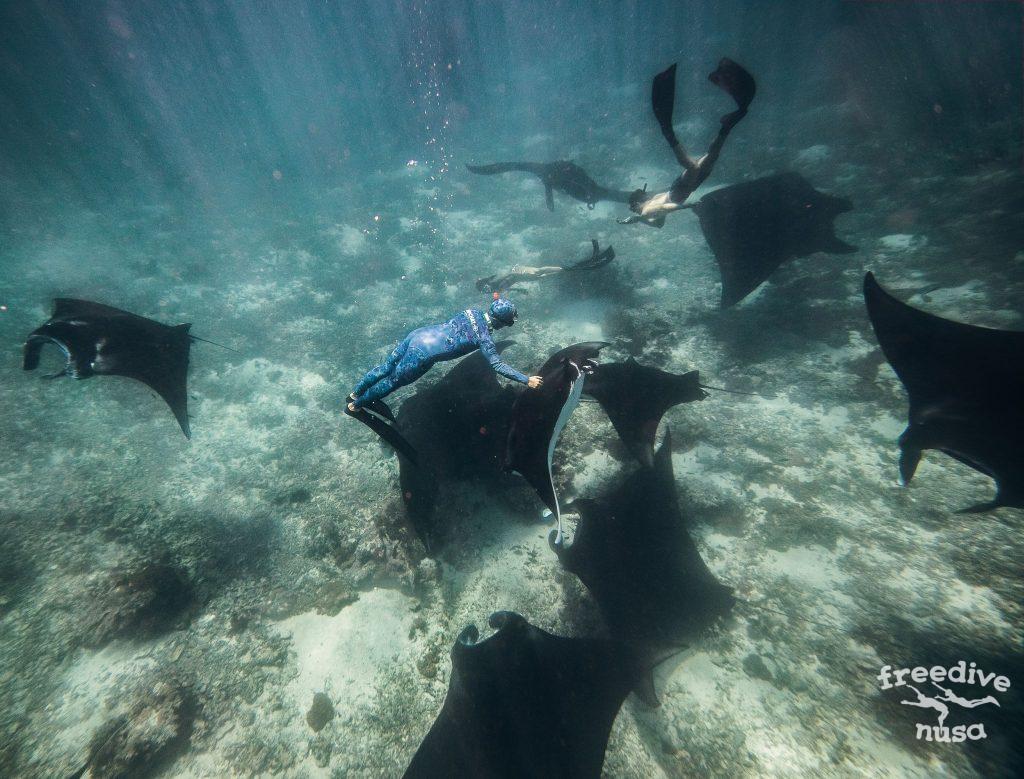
663, 98
385, 430
734, 79
381, 408
597, 258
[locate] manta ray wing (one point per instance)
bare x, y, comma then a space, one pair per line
753, 227
524, 702
964, 384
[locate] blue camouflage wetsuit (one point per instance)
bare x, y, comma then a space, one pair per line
460, 335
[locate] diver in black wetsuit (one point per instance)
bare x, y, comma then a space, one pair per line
565, 176
731, 77
504, 282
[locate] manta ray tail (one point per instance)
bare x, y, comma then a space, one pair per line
663, 98
730, 391
214, 343
597, 259
386, 432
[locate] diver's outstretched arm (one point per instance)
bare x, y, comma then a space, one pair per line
499, 366
650, 222
616, 196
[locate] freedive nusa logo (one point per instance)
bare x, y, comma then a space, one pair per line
937, 676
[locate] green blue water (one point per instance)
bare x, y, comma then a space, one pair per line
290, 178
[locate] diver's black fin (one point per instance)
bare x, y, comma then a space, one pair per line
736, 80
381, 408
597, 258
549, 197
388, 433
663, 98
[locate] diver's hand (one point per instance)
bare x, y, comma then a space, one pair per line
534, 382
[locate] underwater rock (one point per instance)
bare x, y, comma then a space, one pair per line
292, 497
139, 602
902, 242
320, 713
141, 743
320, 750
755, 667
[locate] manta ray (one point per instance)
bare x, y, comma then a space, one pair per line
565, 176
966, 390
754, 227
524, 702
632, 551
539, 415
635, 398
99, 340
457, 427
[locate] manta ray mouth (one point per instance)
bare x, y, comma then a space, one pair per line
33, 349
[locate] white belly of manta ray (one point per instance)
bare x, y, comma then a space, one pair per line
575, 391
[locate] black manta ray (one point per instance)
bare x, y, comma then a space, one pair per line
565, 176
966, 391
99, 340
632, 550
526, 703
538, 417
754, 227
458, 427
636, 397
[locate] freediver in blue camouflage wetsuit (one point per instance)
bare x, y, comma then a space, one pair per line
460, 335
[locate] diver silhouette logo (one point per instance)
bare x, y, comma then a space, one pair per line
959, 673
